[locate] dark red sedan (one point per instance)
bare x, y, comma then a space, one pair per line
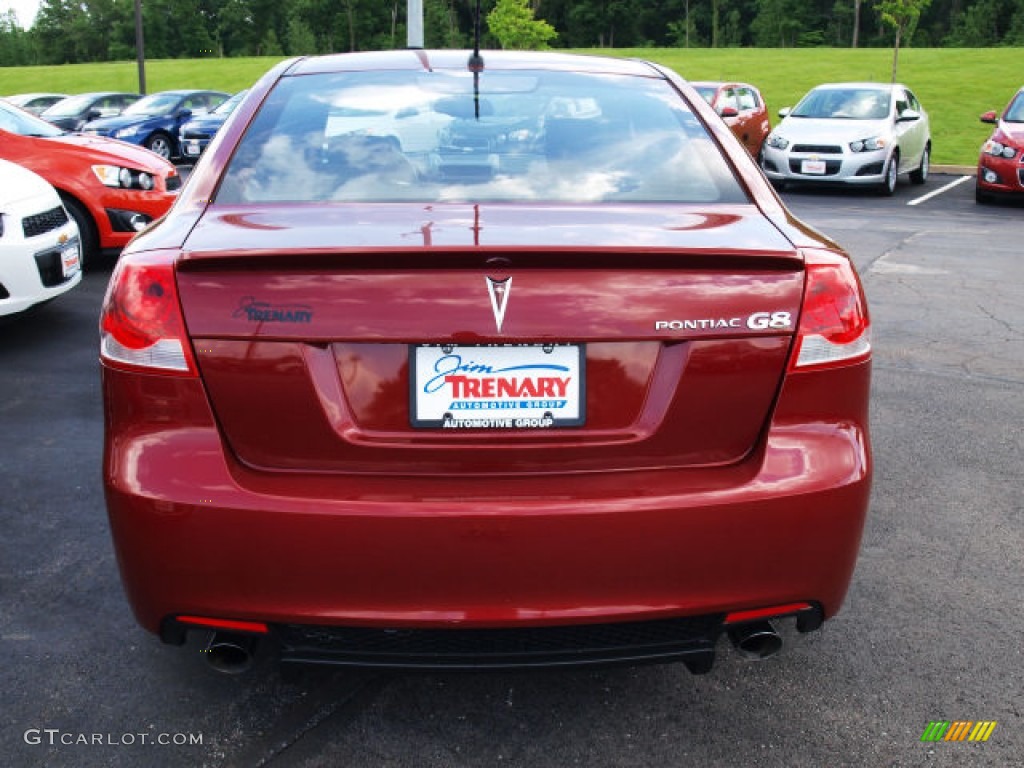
437, 364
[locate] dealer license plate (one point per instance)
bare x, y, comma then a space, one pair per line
813, 167
501, 386
70, 259
192, 148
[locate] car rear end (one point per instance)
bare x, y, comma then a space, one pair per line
421, 421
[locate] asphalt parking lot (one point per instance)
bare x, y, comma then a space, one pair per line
931, 630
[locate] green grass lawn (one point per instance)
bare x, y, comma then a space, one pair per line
954, 85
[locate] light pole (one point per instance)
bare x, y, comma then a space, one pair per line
414, 37
140, 52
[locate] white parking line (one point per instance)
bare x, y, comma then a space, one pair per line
940, 190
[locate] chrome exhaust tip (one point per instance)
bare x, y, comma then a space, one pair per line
757, 640
229, 653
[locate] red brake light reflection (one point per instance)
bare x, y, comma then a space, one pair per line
141, 325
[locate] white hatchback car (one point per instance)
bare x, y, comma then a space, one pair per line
40, 251
851, 133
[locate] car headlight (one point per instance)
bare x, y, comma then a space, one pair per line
777, 142
997, 149
123, 178
869, 145
121, 133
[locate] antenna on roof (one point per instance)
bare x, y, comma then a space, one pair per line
476, 61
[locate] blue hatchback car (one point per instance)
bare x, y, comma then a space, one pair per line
154, 121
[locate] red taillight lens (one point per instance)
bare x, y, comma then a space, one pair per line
834, 323
141, 326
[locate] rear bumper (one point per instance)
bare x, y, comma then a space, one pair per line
691, 640
198, 534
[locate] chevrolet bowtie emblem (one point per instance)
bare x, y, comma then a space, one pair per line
499, 291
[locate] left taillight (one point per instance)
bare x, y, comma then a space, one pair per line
141, 325
834, 323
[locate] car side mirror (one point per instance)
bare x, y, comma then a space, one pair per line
184, 114
729, 112
908, 116
784, 112
989, 117
93, 114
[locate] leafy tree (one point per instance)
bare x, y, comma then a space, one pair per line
1015, 35
270, 45
68, 31
300, 38
441, 24
779, 23
901, 15
16, 47
983, 24
513, 23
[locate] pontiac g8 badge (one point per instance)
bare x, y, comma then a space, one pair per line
499, 291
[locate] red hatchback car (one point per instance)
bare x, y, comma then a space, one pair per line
1001, 164
743, 109
111, 189
534, 368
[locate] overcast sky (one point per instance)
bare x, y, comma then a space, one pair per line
26, 10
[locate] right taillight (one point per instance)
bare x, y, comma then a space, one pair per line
141, 324
834, 325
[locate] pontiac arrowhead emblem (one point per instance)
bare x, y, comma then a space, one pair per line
499, 291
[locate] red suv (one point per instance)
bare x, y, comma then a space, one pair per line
742, 108
111, 189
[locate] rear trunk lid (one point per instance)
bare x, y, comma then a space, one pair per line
410, 339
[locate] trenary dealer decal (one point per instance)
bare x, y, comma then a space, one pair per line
264, 312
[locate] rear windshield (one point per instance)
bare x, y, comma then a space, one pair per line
514, 136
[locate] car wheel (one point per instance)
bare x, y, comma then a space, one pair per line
86, 228
920, 176
891, 170
161, 144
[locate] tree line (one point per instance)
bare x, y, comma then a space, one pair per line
77, 31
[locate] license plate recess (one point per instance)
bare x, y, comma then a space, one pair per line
497, 386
